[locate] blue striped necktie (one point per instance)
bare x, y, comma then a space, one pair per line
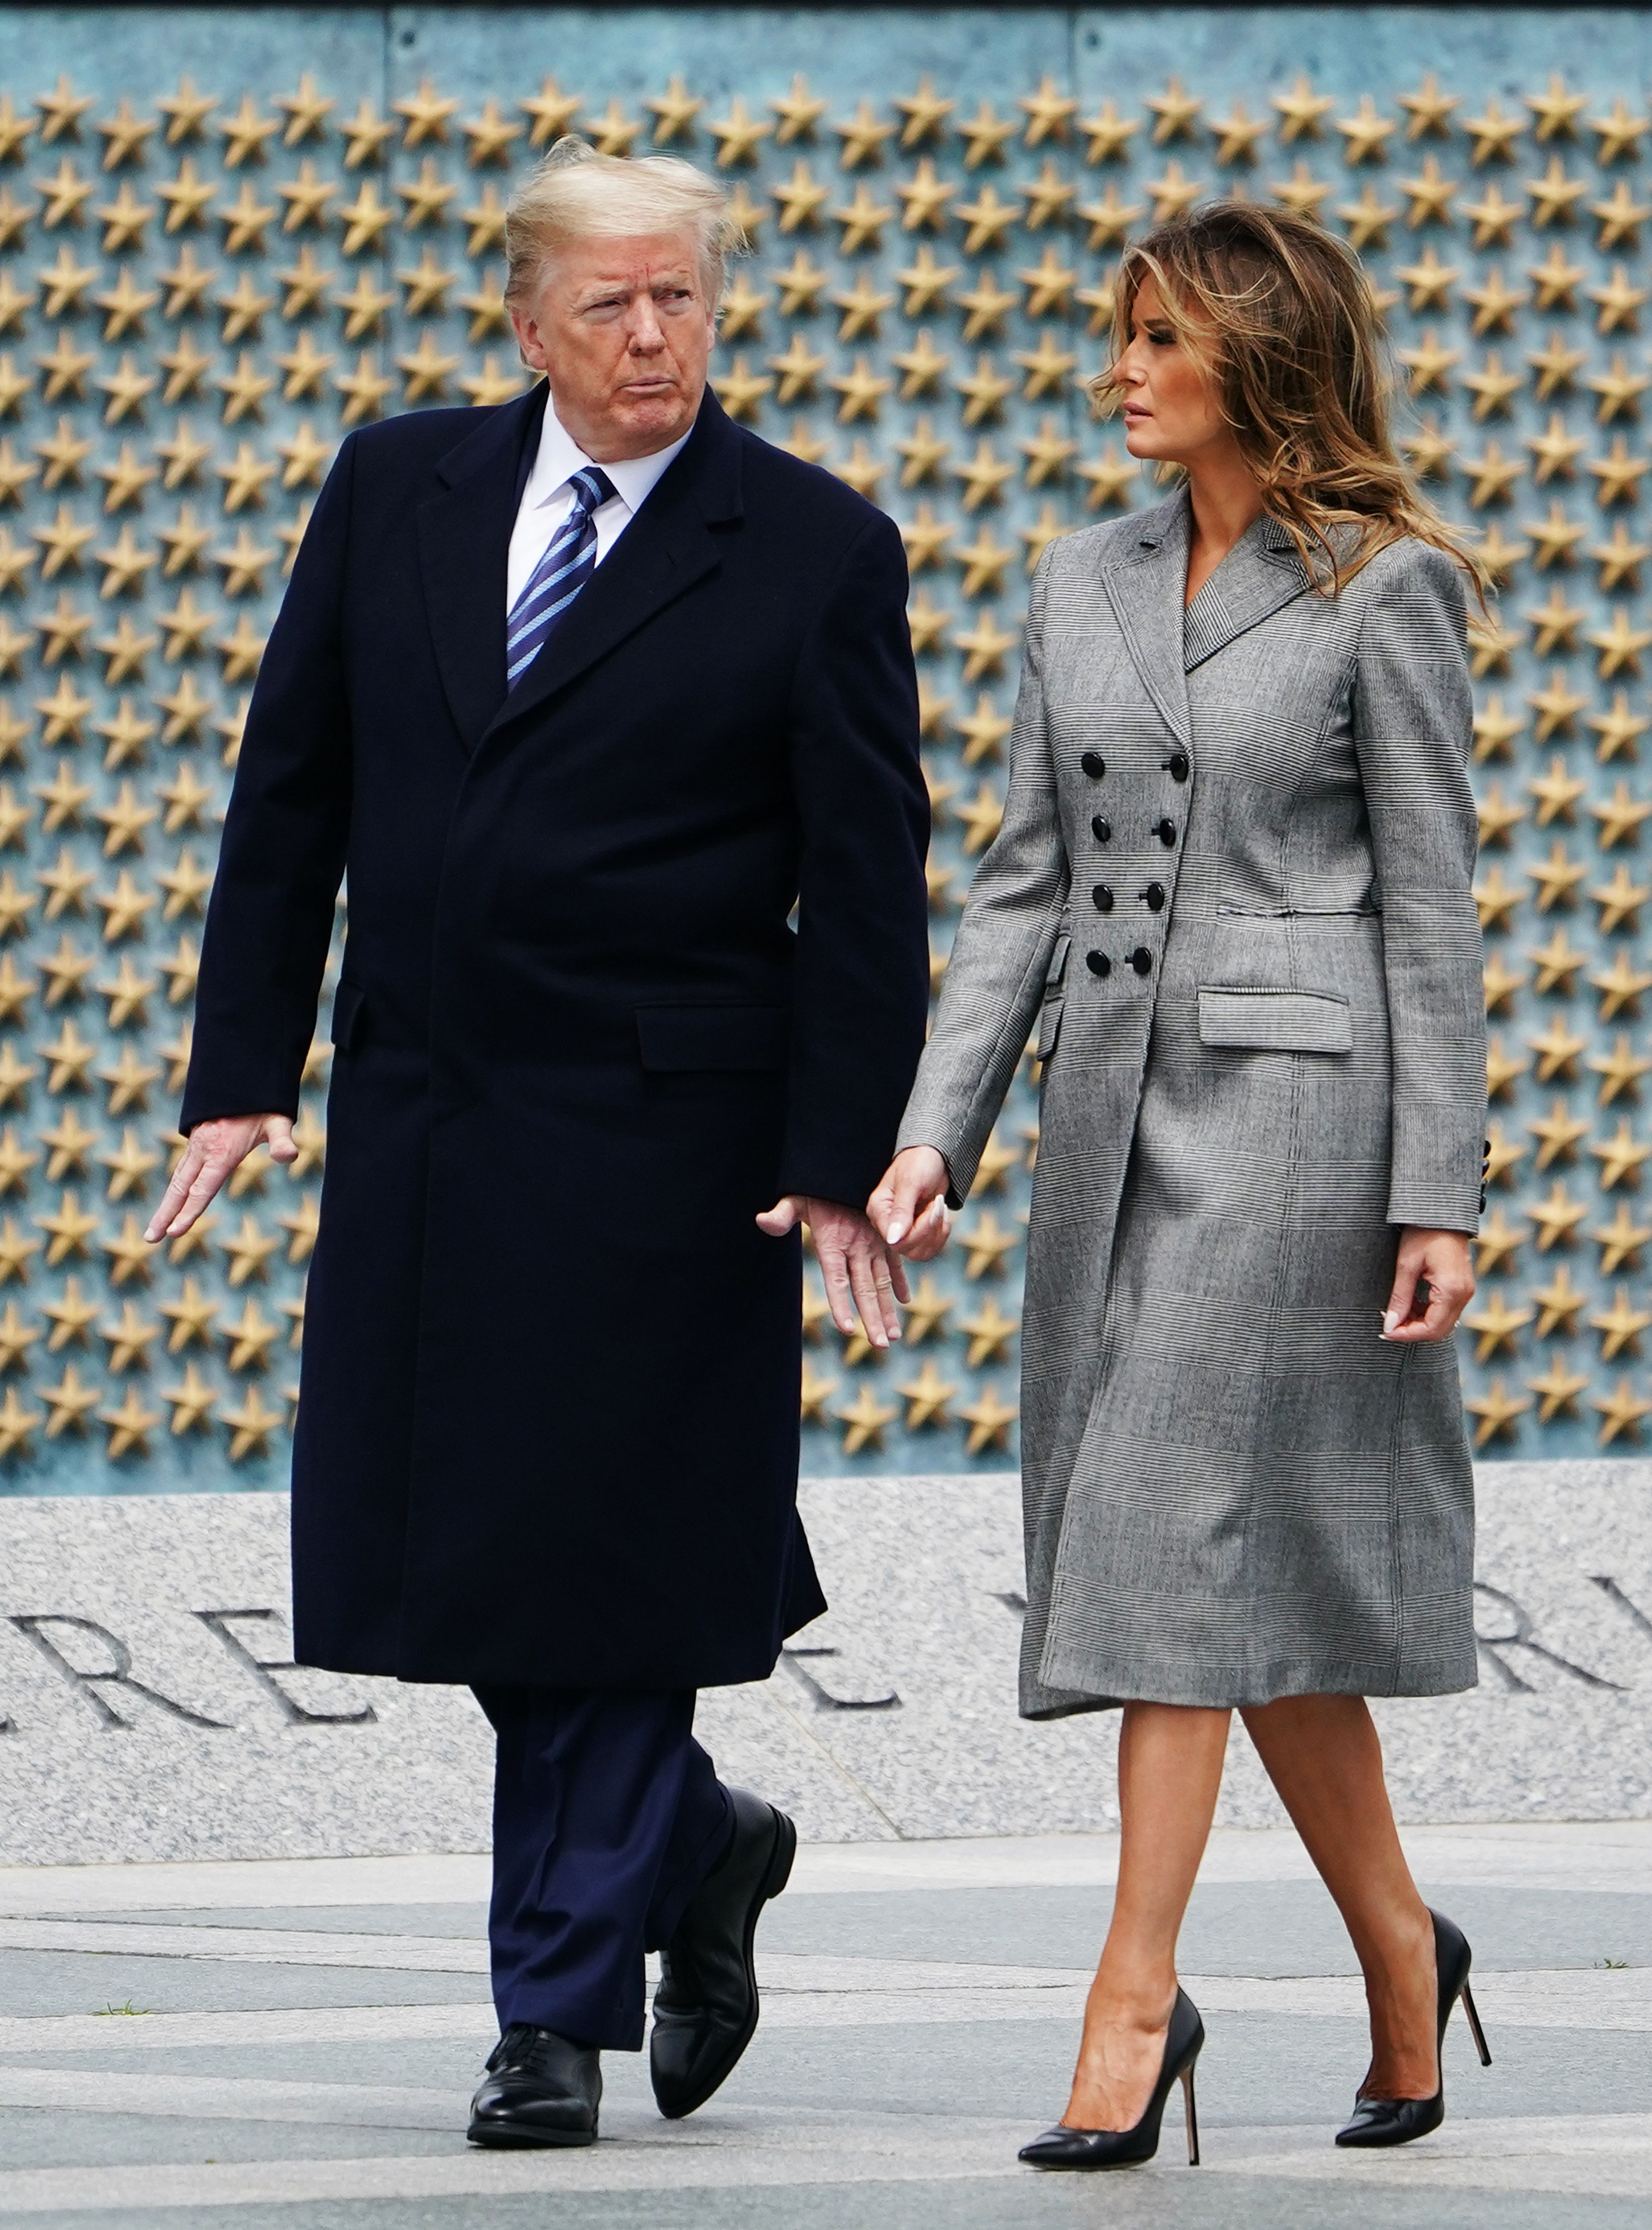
567, 565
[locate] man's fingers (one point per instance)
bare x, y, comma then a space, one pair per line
780, 1219
885, 1288
834, 1277
864, 1286
176, 1191
898, 1278
278, 1137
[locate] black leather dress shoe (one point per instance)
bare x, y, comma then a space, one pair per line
541, 2089
706, 2008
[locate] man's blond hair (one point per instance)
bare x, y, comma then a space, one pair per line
575, 193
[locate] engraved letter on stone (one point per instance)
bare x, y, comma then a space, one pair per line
264, 1669
91, 1685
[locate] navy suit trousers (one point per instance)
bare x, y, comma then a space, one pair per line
607, 1816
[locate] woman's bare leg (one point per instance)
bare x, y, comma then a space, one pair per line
1323, 1754
1170, 1770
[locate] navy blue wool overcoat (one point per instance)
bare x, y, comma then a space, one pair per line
547, 1429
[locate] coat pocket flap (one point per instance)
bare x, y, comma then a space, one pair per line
680, 1038
347, 1002
1275, 1020
1058, 967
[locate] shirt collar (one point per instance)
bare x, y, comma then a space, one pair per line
560, 456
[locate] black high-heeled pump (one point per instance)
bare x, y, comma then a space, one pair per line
1064, 2147
1399, 2121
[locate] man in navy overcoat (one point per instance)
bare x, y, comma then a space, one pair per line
606, 710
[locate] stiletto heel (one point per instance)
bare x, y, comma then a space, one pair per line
1471, 2015
1399, 2121
1064, 2147
1192, 2114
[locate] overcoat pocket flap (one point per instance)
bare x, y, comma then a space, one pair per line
1275, 1020
347, 1002
1058, 967
680, 1038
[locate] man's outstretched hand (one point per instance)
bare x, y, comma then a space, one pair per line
215, 1150
856, 1267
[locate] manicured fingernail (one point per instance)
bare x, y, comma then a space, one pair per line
897, 1231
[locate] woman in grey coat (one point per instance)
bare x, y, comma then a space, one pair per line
1230, 900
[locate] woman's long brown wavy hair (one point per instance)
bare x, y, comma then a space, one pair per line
1280, 316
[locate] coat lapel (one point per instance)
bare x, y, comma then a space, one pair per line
665, 550
464, 543
1259, 574
1146, 588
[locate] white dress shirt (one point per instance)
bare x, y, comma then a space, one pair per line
548, 499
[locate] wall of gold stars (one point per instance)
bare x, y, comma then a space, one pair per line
227, 236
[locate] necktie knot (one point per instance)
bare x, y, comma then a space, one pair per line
560, 575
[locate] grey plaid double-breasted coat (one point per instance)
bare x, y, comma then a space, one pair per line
1234, 872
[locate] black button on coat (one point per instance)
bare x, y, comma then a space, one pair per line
548, 1425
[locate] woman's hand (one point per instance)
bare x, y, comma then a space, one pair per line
909, 1207
1434, 1282
856, 1267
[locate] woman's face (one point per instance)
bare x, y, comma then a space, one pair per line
1169, 407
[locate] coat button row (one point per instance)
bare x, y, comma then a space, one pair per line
1164, 831
1102, 828
1155, 895
1178, 765
1093, 765
1140, 960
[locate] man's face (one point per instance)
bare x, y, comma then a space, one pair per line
622, 330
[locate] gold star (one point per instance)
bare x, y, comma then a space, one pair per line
989, 1420
65, 367
1556, 451
1620, 1412
488, 310
188, 197
124, 650
1620, 1160
16, 1424
985, 390
1555, 194
65, 281
1494, 303
1494, 218
1496, 1323
1556, 537
66, 191
1047, 198
1620, 558
486, 222
1620, 900
129, 1425
924, 197
983, 561
1620, 303
427, 114
62, 711
184, 364
1555, 623
1428, 193
1109, 477
1620, 987
244, 390
1557, 1048
1494, 134
124, 822
1173, 191
1430, 451
63, 541
739, 135
1503, 1069
1558, 962
1620, 217
246, 474
70, 1402
1560, 1388
865, 1418
923, 451
925, 282
307, 284
68, 1227
1618, 728
15, 129
187, 708
863, 137
1367, 219
1557, 876
1498, 554
926, 1397
1047, 454
922, 365
427, 199
1498, 982
1620, 1241
366, 220
67, 968
16, 1337
1428, 364
15, 991
123, 221
1301, 191
123, 908
1497, 898
304, 1222
1049, 113
305, 366
551, 111
1492, 387
182, 969
185, 540
815, 1391
1556, 365
1619, 134
861, 389
129, 1339
490, 136
1620, 645
487, 388
740, 389
1497, 1410
1236, 135
427, 370
1620, 1070
861, 220
243, 566
863, 305
986, 304
984, 135
1618, 475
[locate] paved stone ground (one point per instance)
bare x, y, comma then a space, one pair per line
296, 2040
